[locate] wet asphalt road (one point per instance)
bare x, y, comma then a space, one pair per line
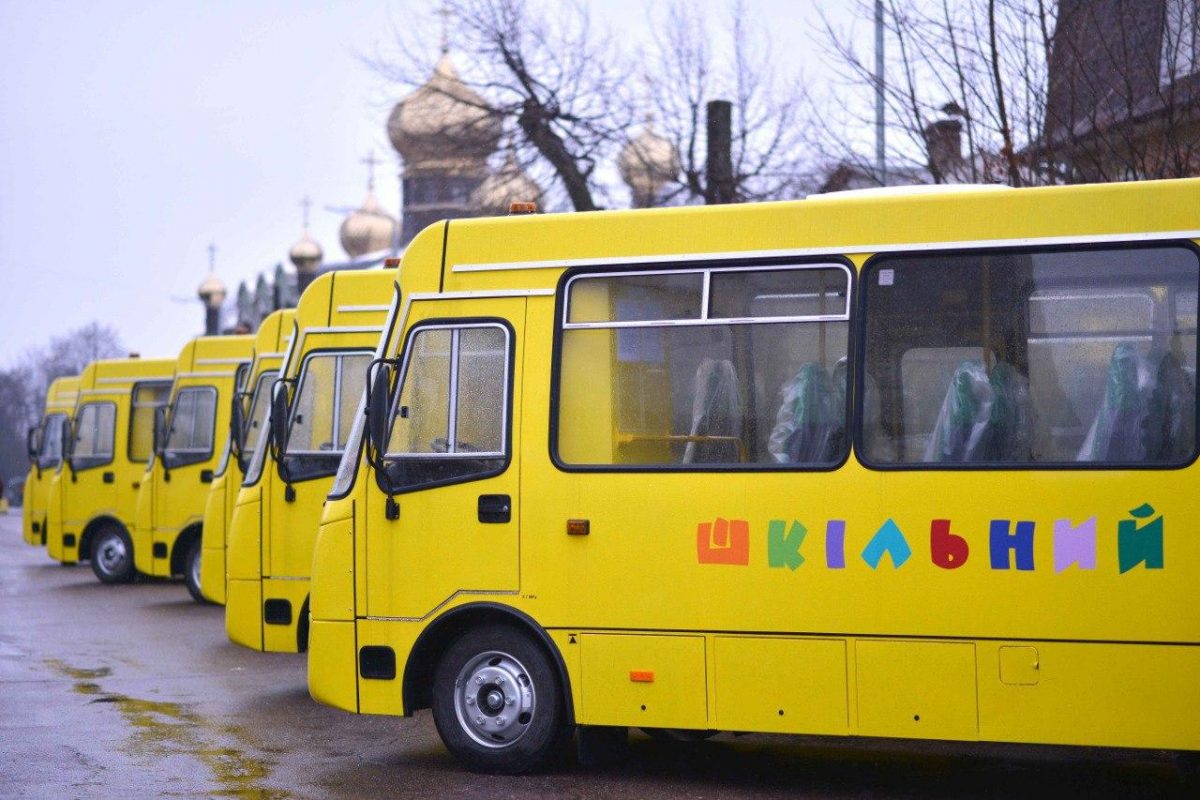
134, 691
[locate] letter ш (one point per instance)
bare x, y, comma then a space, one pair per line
723, 541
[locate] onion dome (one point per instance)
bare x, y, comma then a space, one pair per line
306, 254
211, 291
647, 162
444, 125
503, 187
370, 229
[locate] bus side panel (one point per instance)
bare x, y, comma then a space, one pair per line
780, 685
333, 665
1125, 695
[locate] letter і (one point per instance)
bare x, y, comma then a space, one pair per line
1020, 543
835, 544
1142, 545
888, 539
1074, 544
784, 550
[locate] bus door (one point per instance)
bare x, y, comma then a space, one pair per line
189, 446
145, 399
327, 395
452, 472
92, 471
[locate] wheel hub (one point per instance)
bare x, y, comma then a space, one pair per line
494, 699
112, 554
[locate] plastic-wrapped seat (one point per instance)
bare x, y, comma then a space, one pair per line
984, 417
717, 413
1117, 432
809, 424
1169, 426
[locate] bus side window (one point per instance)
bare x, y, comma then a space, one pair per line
1026, 357
725, 366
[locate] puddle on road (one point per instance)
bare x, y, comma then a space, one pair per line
164, 729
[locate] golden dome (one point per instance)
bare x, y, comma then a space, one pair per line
501, 188
306, 254
444, 124
647, 162
370, 229
211, 290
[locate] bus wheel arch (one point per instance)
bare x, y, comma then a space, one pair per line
89, 533
498, 697
439, 635
185, 559
302, 627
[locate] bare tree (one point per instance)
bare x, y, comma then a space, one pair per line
570, 98
694, 62
15, 414
1044, 92
23, 387
558, 85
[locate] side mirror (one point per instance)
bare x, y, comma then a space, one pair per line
237, 422
68, 445
378, 391
279, 418
32, 443
160, 430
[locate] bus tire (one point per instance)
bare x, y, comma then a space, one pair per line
497, 702
191, 571
112, 555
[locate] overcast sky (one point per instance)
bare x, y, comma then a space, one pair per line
133, 134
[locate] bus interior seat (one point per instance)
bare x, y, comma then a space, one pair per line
1009, 425
717, 412
984, 417
1117, 432
1170, 421
808, 426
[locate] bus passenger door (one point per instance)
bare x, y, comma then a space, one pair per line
452, 522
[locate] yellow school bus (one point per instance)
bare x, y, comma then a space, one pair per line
45, 445
248, 410
901, 464
94, 492
338, 325
170, 503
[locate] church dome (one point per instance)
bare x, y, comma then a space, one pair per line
306, 254
647, 162
501, 188
370, 229
211, 290
444, 124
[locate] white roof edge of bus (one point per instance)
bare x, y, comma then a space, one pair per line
912, 189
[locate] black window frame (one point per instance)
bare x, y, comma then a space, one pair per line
174, 459
442, 323
295, 461
129, 426
262, 382
749, 263
82, 464
879, 261
64, 427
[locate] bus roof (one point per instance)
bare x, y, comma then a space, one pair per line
529, 252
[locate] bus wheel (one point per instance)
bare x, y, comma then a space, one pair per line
112, 555
191, 571
498, 703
